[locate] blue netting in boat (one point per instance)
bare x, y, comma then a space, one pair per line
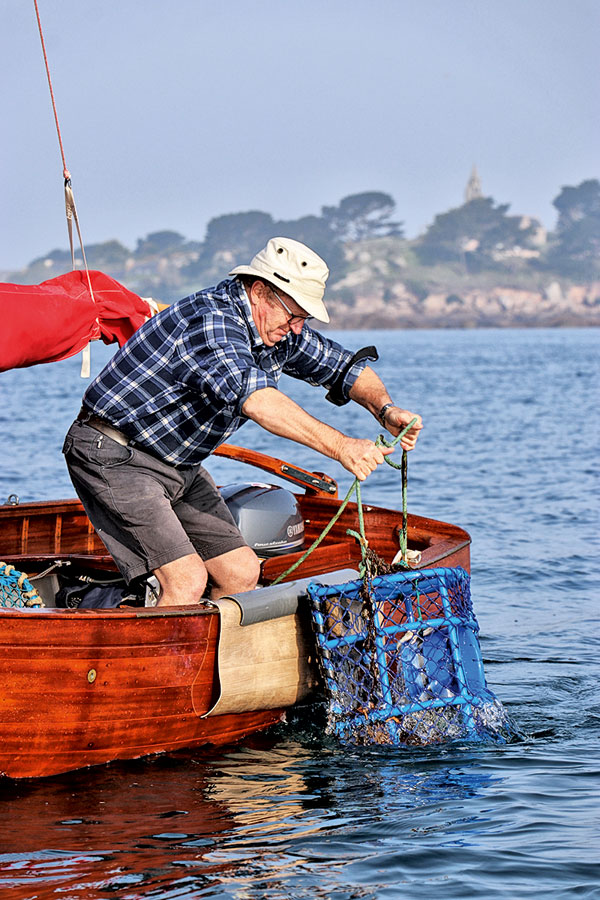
16, 590
401, 659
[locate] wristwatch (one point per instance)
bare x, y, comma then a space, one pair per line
382, 412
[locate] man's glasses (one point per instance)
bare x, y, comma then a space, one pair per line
293, 317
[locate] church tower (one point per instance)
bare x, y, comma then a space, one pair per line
473, 188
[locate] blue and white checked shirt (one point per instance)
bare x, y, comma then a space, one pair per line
178, 385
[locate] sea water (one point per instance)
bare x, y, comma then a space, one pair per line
509, 452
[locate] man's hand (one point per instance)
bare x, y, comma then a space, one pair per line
397, 419
360, 456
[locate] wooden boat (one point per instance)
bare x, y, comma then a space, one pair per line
84, 687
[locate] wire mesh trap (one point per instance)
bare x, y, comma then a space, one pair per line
401, 660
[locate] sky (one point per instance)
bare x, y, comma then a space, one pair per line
173, 112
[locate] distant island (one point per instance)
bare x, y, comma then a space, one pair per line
475, 265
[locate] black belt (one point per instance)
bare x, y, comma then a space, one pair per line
99, 424
87, 417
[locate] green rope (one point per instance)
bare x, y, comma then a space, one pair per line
361, 537
323, 534
381, 441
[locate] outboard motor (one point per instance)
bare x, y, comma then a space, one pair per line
267, 515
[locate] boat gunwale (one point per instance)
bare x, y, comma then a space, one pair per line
127, 612
440, 540
73, 505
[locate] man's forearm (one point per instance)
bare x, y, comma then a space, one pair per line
280, 415
369, 391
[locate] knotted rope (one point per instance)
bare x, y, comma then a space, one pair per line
370, 560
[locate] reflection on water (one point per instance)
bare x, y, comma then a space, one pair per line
104, 828
192, 824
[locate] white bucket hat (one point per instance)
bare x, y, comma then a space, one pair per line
294, 268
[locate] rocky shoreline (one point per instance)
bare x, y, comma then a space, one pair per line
500, 307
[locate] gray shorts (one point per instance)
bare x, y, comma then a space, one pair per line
147, 512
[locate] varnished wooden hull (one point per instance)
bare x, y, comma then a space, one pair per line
85, 687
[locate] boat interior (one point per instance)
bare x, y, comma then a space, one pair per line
55, 544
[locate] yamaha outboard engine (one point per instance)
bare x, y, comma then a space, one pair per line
267, 515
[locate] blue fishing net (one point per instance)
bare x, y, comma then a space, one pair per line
401, 660
16, 590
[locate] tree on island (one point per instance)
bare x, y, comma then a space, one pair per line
241, 234
477, 234
575, 249
359, 217
159, 242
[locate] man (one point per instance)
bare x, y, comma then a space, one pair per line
185, 381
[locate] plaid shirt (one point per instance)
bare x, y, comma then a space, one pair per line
178, 385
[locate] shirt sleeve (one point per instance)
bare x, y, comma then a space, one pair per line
320, 361
216, 361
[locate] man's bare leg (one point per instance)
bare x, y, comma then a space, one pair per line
182, 581
233, 572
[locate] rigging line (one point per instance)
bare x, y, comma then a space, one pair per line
70, 208
66, 173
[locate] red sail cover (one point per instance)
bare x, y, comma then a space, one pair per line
50, 321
